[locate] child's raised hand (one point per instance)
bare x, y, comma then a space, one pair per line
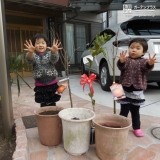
151, 60
123, 56
29, 47
55, 46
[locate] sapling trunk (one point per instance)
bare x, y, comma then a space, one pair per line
90, 94
92, 100
67, 73
64, 60
114, 58
114, 103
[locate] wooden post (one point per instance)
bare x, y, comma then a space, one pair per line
5, 83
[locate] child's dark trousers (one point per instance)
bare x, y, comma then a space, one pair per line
125, 108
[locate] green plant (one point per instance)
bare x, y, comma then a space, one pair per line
16, 65
96, 49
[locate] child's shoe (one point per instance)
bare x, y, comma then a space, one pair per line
138, 132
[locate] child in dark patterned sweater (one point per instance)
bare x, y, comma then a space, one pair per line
133, 79
43, 59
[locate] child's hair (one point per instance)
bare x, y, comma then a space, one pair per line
141, 41
38, 36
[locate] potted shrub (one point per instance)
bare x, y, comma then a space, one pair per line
111, 130
76, 122
48, 121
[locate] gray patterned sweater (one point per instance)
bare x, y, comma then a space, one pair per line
44, 66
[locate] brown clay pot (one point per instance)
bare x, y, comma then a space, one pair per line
111, 142
49, 126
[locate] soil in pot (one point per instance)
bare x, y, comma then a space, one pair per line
49, 113
111, 125
75, 118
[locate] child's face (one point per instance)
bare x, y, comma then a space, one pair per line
40, 45
135, 50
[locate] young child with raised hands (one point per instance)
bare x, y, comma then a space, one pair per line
133, 80
43, 59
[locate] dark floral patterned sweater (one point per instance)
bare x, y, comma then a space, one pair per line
133, 74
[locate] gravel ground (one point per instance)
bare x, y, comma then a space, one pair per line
6, 147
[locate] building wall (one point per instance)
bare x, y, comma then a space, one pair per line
88, 23
112, 18
94, 22
88, 17
121, 17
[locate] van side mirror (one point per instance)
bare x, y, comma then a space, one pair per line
87, 45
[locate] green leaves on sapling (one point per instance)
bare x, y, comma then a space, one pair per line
98, 47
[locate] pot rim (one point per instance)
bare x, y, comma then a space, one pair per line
112, 127
48, 108
72, 120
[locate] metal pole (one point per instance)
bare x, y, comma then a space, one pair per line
5, 84
107, 19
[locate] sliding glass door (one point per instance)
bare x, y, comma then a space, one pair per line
76, 41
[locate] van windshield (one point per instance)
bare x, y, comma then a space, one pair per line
142, 27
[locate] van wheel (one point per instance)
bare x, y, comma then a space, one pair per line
105, 79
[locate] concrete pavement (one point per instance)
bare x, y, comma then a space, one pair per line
152, 95
28, 146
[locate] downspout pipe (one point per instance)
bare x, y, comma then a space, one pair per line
107, 18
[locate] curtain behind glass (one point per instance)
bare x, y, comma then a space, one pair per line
70, 42
81, 41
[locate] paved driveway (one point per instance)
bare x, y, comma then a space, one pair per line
152, 94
